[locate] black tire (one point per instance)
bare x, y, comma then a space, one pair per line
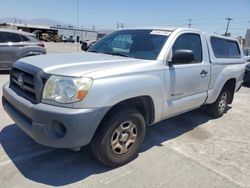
101, 145
216, 109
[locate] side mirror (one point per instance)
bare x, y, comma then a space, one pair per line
182, 56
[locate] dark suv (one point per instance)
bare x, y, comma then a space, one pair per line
17, 44
247, 72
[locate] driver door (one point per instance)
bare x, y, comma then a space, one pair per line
187, 84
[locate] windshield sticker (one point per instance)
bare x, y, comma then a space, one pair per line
160, 32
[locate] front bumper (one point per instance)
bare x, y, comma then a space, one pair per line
5, 65
52, 125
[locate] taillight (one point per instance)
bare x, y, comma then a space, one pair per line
41, 45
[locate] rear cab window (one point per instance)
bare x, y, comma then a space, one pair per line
225, 48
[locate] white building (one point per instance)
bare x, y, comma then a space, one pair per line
77, 34
63, 31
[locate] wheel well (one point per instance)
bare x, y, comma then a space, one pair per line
230, 84
144, 104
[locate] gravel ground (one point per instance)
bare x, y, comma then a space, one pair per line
190, 150
61, 47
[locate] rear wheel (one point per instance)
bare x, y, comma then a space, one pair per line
118, 139
219, 107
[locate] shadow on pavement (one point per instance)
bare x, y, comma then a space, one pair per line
59, 167
246, 85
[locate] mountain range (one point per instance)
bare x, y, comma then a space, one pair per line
36, 21
44, 21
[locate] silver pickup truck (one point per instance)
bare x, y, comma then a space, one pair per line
127, 81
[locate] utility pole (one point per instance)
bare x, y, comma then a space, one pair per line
122, 25
189, 23
217, 31
119, 25
228, 21
15, 23
77, 15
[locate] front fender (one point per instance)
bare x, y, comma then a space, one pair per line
112, 90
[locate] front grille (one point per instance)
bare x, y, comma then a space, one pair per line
25, 89
27, 81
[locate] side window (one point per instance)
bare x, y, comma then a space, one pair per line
233, 49
24, 38
9, 37
4, 37
12, 37
189, 42
219, 47
224, 48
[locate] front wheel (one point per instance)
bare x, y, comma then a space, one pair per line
219, 107
118, 139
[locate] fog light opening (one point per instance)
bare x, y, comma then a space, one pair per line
55, 130
59, 129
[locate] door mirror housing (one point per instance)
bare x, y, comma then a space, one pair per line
182, 56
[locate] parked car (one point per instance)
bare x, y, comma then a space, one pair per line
87, 44
70, 39
247, 72
127, 81
17, 44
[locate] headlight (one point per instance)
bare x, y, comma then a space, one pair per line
66, 89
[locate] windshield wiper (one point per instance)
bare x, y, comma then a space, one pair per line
110, 53
94, 51
118, 54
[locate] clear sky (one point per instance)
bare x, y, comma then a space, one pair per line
208, 15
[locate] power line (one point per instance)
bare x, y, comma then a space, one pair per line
181, 22
247, 17
217, 22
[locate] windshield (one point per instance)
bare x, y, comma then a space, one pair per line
142, 44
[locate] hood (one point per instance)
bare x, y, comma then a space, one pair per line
78, 64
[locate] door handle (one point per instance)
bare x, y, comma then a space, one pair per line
203, 73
